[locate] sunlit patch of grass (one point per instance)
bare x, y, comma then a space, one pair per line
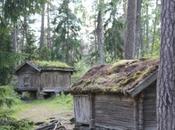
58, 104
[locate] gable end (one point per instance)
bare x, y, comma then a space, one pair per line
144, 84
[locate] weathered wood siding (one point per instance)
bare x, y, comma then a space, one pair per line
114, 112
55, 80
149, 108
26, 69
82, 109
28, 78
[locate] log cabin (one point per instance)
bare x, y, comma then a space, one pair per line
121, 96
42, 78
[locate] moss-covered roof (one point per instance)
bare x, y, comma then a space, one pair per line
50, 64
116, 78
46, 66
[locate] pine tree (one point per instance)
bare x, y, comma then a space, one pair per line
66, 45
100, 32
166, 75
130, 31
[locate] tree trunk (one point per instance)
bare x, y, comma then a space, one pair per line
154, 28
147, 30
48, 27
138, 28
42, 26
24, 35
100, 36
166, 75
14, 38
129, 46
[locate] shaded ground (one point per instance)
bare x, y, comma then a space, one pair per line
59, 108
44, 114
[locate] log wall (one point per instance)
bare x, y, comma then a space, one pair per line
114, 112
29, 78
55, 80
149, 108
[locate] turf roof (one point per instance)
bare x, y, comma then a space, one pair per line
116, 78
46, 66
50, 64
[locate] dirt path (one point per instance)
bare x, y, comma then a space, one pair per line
40, 113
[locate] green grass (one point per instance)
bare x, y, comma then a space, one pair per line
42, 109
51, 64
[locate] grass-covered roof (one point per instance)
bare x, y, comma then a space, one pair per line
119, 77
46, 66
50, 64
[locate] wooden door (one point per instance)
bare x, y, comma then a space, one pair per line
82, 109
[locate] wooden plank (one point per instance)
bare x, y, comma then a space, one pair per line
149, 108
135, 114
26, 89
140, 112
92, 112
144, 84
82, 109
106, 127
114, 111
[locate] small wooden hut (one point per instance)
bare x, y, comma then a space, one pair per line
121, 96
43, 77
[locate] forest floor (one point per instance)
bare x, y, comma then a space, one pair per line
59, 108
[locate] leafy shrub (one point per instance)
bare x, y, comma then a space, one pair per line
8, 98
9, 123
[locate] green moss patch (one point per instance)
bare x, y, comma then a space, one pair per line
50, 64
116, 78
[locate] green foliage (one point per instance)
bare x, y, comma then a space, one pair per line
50, 64
113, 34
114, 41
66, 44
81, 68
44, 53
9, 123
65, 100
7, 57
150, 23
30, 48
15, 8
8, 98
55, 105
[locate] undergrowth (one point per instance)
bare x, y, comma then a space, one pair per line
8, 99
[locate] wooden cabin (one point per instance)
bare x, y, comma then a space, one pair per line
121, 96
43, 77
